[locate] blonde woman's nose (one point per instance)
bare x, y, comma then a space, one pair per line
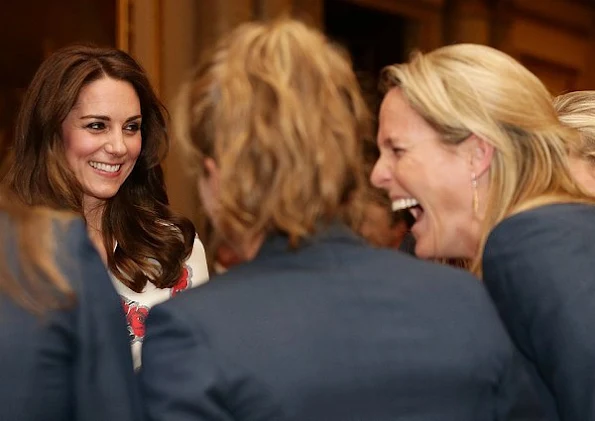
380, 175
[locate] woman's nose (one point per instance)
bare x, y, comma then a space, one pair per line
380, 174
116, 144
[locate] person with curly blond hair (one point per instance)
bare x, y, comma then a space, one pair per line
313, 323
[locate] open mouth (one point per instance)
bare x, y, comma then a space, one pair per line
408, 204
109, 168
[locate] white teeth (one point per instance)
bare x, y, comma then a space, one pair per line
105, 167
401, 204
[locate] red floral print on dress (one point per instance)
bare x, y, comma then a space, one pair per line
184, 282
136, 315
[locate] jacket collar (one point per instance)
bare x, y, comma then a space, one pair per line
278, 243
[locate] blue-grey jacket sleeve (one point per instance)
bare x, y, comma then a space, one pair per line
542, 281
104, 383
517, 399
180, 378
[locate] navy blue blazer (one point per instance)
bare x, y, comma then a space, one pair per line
334, 331
72, 364
539, 267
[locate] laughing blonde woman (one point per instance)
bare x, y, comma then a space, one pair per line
471, 144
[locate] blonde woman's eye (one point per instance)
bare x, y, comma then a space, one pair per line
397, 151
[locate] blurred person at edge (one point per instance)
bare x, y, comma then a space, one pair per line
64, 350
577, 110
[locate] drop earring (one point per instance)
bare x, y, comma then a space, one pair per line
475, 193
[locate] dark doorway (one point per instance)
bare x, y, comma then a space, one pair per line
30, 31
374, 39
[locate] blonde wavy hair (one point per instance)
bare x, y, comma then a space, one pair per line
279, 109
469, 89
577, 110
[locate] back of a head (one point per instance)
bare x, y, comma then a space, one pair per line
577, 110
279, 109
33, 281
469, 89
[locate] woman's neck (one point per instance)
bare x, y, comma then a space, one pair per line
247, 249
93, 215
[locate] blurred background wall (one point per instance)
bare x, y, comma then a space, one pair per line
553, 38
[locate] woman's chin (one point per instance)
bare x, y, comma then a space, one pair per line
422, 251
426, 248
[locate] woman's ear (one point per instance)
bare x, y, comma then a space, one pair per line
481, 152
210, 168
211, 173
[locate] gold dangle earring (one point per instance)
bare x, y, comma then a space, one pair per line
475, 193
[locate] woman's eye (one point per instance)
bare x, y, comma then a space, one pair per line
96, 125
397, 151
132, 127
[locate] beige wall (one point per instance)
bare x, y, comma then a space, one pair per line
163, 40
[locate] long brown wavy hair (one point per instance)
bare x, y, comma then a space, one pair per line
279, 109
137, 218
39, 285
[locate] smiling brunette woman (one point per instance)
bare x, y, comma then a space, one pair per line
470, 141
90, 137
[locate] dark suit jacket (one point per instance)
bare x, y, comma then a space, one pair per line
73, 364
336, 331
539, 267
408, 244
